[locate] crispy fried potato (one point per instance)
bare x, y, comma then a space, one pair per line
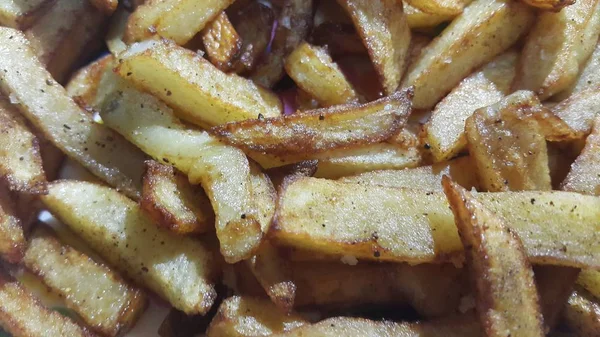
221, 42
383, 28
179, 269
590, 281
99, 296
20, 158
582, 314
552, 5
499, 267
304, 134
428, 178
106, 6
589, 77
580, 110
488, 27
48, 107
244, 316
417, 18
22, 14
22, 314
116, 31
178, 20
173, 203
584, 176
12, 240
440, 7
554, 285
557, 47
445, 130
83, 85
201, 93
321, 216
314, 71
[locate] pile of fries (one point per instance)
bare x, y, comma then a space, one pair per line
301, 167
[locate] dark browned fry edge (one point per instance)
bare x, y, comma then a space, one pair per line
224, 66
306, 168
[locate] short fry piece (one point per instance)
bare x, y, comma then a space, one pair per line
499, 266
22, 14
440, 7
12, 240
584, 176
582, 314
580, 110
221, 42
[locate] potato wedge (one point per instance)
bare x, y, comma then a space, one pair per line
83, 85
22, 314
221, 42
580, 110
445, 130
557, 47
97, 294
584, 176
440, 7
321, 216
12, 240
417, 18
314, 71
555, 286
177, 20
208, 97
488, 27
499, 267
582, 314
179, 269
22, 14
383, 28
48, 107
311, 132
106, 6
552, 5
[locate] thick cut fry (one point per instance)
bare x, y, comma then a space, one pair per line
202, 94
554, 285
440, 7
22, 314
580, 110
83, 85
445, 130
584, 176
221, 42
178, 20
98, 295
582, 314
12, 240
106, 6
22, 14
486, 27
20, 158
316, 131
48, 107
343, 218
557, 47
383, 28
173, 203
588, 78
179, 269
314, 71
416, 18
552, 5
244, 316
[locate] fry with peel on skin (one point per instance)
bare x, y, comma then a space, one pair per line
314, 71
441, 7
98, 295
551, 5
416, 18
48, 107
106, 6
22, 14
179, 269
487, 27
306, 133
584, 176
245, 316
221, 42
173, 202
557, 47
12, 239
445, 130
294, 22
582, 314
579, 110
383, 28
22, 314
177, 20
507, 299
201, 93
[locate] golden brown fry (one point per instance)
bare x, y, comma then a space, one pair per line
584, 176
580, 110
552, 5
221, 42
582, 314
99, 296
499, 267
311, 132
557, 47
440, 7
173, 203
12, 240
383, 28
83, 85
106, 6
416, 18
487, 27
554, 285
22, 14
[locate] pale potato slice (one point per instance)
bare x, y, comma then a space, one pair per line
106, 6
201, 93
179, 269
97, 294
580, 110
584, 176
590, 281
445, 130
221, 42
487, 27
557, 47
383, 27
440, 7
314, 71
589, 77
48, 107
22, 14
178, 20
12, 239
553, 5
582, 314
417, 18
332, 217
499, 267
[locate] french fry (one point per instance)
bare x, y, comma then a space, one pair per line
172, 19
179, 269
314, 71
22, 14
440, 7
417, 18
116, 32
173, 203
200, 92
555, 286
590, 281
584, 176
580, 110
589, 77
557, 47
502, 275
83, 85
21, 314
383, 28
12, 239
582, 314
47, 106
341, 218
221, 42
445, 130
106, 6
489, 27
98, 295
316, 131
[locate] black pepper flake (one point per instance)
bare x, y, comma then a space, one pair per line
376, 253
532, 201
321, 117
145, 269
243, 216
427, 146
166, 160
66, 127
129, 73
169, 93
261, 117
